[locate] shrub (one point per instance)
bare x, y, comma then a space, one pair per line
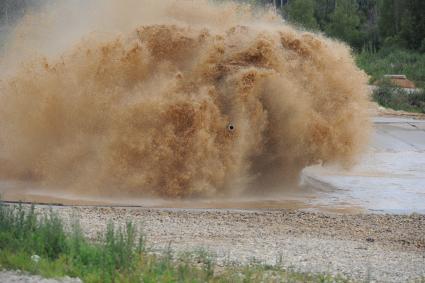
400, 99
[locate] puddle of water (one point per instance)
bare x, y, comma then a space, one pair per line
390, 178
295, 201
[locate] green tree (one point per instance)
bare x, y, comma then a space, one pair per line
369, 16
301, 12
412, 27
323, 10
390, 22
344, 23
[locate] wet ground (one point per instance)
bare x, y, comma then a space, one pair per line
389, 178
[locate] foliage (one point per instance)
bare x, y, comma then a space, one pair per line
42, 236
344, 24
365, 23
119, 255
301, 12
402, 23
393, 61
399, 99
387, 35
361, 23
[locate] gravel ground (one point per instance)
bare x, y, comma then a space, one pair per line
20, 277
385, 248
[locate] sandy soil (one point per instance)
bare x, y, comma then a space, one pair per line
386, 248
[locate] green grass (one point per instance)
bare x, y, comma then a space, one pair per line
393, 61
119, 255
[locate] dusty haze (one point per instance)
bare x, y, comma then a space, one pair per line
173, 99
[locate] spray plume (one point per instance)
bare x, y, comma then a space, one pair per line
174, 99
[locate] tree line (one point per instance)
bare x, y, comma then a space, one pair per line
370, 24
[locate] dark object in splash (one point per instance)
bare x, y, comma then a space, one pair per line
231, 127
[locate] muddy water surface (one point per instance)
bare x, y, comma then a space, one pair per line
390, 178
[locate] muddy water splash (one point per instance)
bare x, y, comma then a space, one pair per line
188, 99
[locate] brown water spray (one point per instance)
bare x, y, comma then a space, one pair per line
175, 99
